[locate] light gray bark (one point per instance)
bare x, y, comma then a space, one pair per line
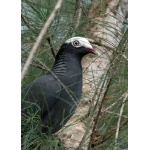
105, 40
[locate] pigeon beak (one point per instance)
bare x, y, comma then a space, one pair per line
92, 51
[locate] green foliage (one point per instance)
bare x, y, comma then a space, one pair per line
34, 14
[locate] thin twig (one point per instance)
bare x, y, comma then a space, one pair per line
39, 66
106, 109
110, 112
51, 46
64, 87
40, 37
79, 13
108, 82
111, 134
23, 19
125, 57
119, 120
41, 63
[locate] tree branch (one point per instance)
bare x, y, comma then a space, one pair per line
40, 37
119, 119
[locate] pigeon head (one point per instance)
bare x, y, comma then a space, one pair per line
77, 45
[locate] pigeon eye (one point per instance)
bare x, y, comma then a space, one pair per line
76, 43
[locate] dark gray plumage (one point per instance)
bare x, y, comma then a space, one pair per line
47, 95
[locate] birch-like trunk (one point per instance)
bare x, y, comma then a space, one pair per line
107, 19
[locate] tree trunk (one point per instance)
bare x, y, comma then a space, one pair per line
106, 20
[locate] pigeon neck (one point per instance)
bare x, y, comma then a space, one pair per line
67, 64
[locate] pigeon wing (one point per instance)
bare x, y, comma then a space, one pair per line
41, 94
